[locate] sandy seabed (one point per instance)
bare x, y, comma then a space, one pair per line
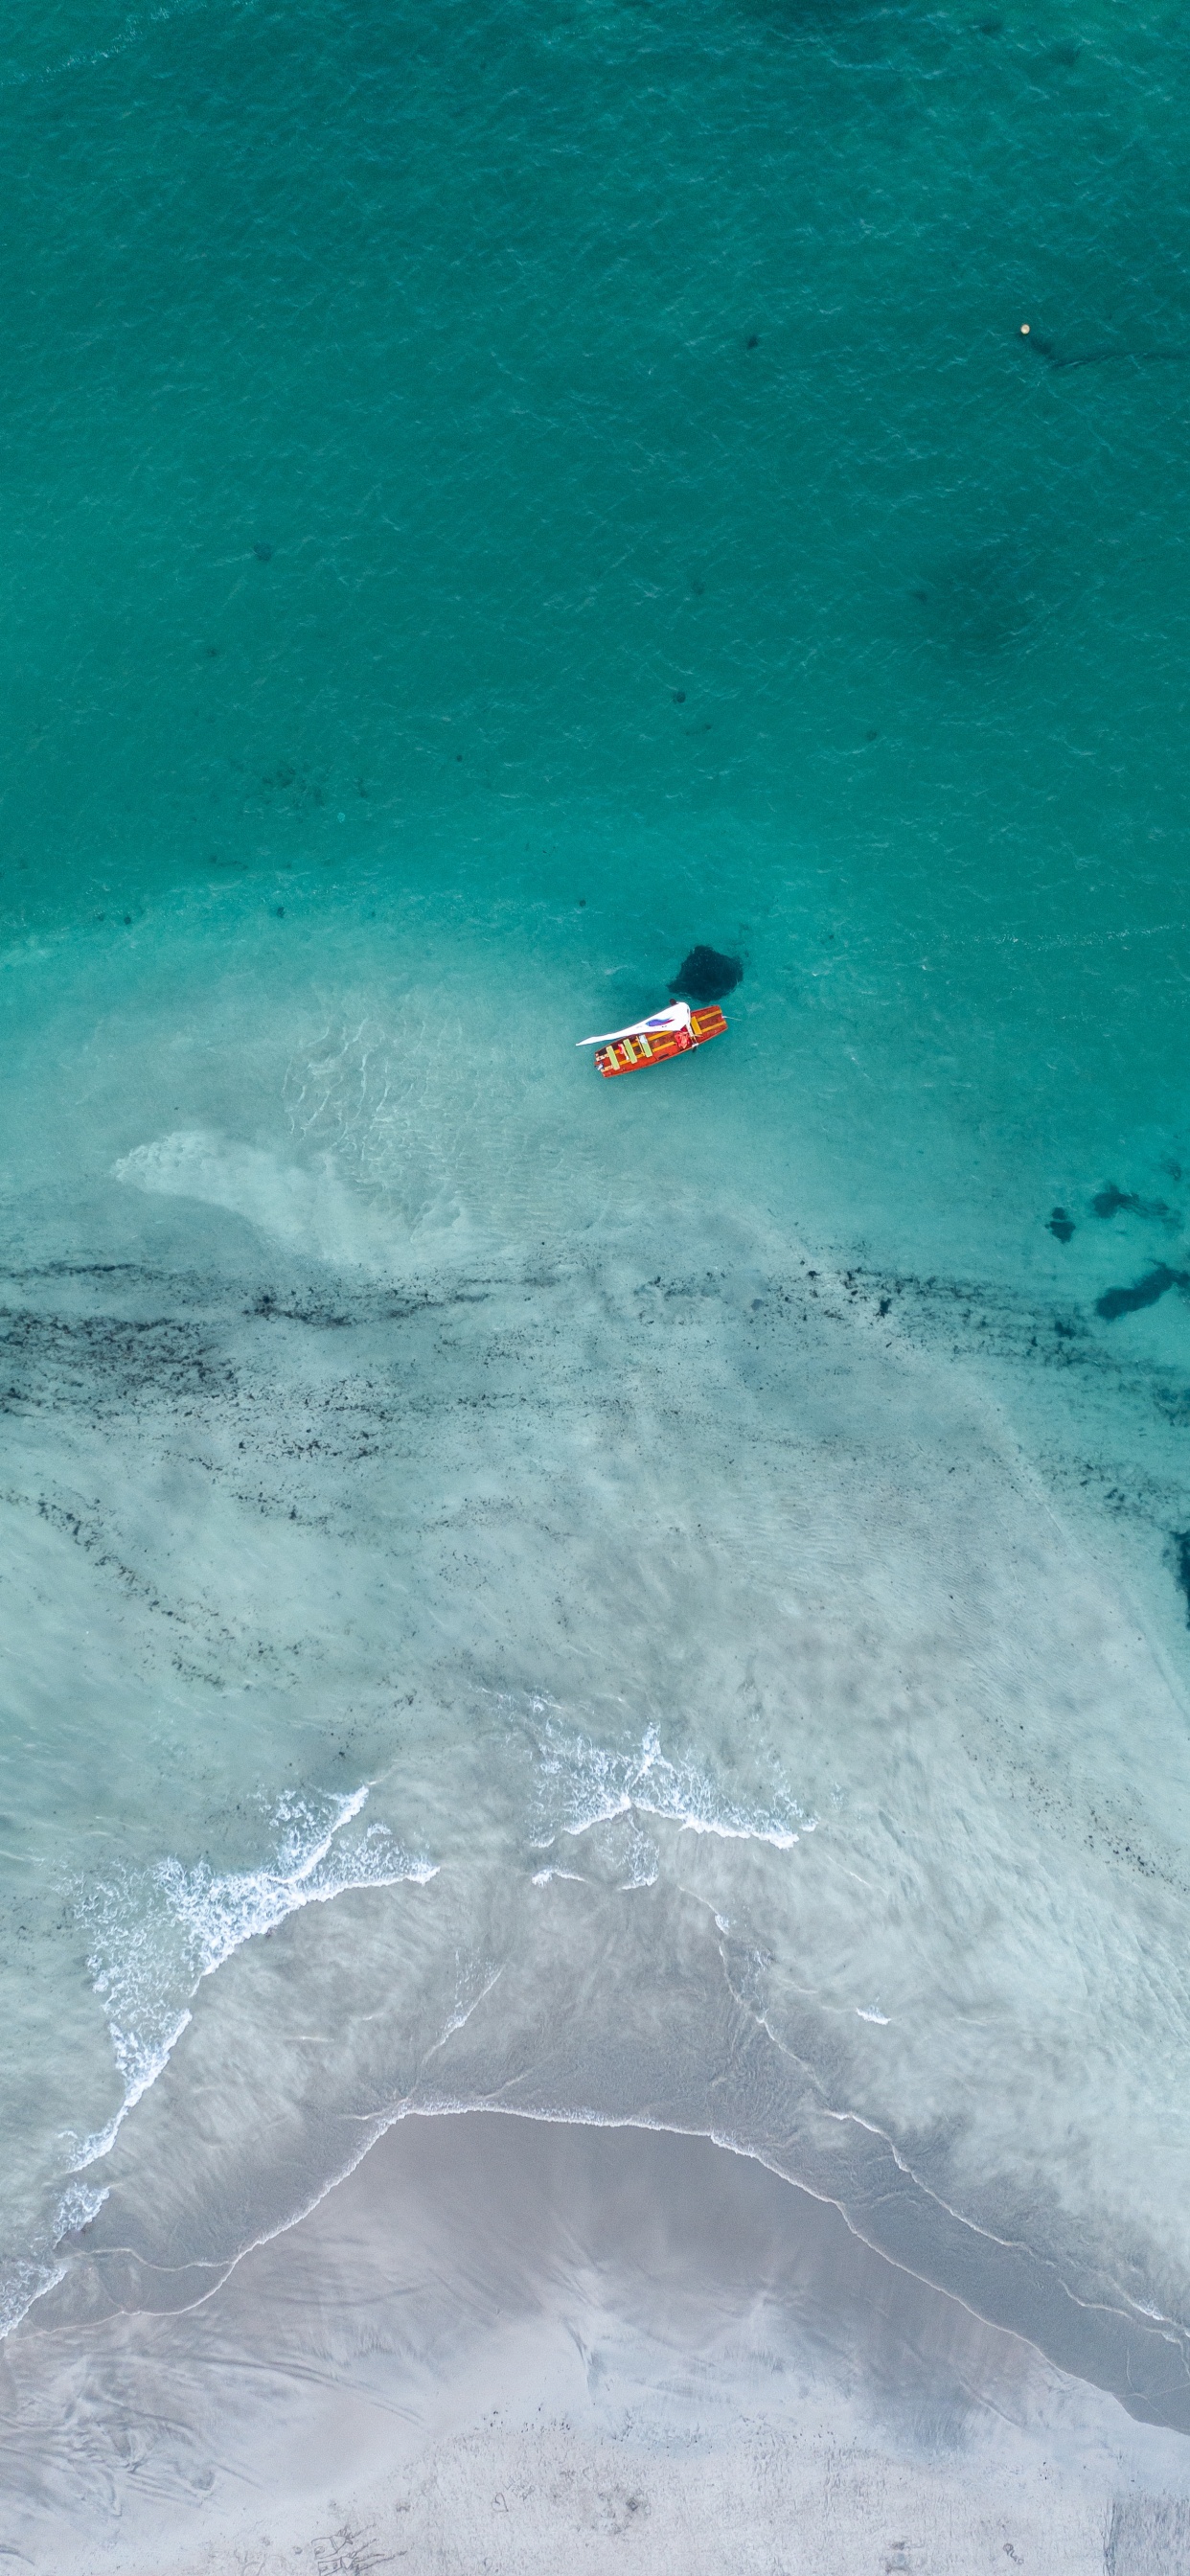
510, 2345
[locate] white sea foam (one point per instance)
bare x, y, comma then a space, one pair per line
27, 2278
584, 1784
80, 2203
157, 1932
22, 2284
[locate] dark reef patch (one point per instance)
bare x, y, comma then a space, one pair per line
1179, 1552
1060, 1224
1114, 1201
706, 975
1127, 1301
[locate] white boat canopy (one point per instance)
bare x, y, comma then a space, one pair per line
676, 1017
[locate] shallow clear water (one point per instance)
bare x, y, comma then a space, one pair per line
665, 1599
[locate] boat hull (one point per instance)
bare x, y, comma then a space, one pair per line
631, 1055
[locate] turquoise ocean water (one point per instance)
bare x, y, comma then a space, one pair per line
659, 1600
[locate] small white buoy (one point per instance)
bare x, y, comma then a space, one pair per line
1025, 327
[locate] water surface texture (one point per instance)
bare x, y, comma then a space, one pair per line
662, 1600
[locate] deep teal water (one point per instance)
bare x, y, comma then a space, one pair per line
493, 496
384, 439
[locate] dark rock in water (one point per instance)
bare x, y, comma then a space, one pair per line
705, 976
1060, 1224
1125, 1301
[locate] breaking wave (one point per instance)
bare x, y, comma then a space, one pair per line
156, 1933
582, 1784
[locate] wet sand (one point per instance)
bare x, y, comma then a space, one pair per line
503, 2344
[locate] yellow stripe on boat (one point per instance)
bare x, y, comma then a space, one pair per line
630, 1055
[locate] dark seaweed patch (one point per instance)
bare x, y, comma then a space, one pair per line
1179, 1545
1111, 1201
706, 975
122, 1359
1127, 1301
1060, 1224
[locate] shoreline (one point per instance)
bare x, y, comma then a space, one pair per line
500, 2337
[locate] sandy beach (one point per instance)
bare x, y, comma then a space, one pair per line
509, 2345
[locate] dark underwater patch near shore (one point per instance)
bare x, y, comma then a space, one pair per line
706, 975
1114, 1201
1128, 1301
1179, 1558
1010, 1326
